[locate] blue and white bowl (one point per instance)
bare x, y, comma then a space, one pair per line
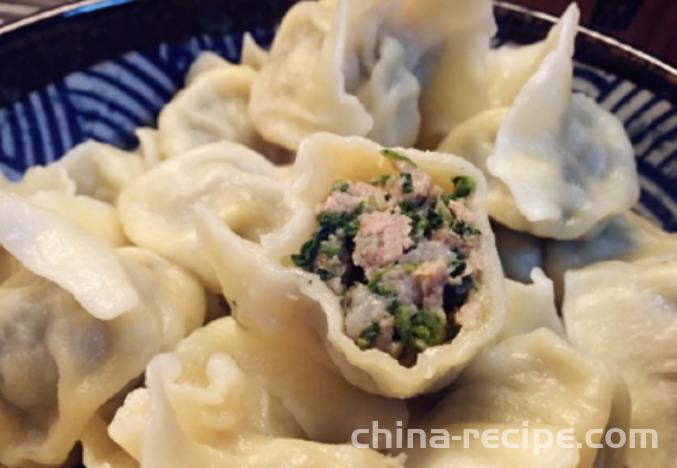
106, 101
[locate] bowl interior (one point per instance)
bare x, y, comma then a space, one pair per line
108, 100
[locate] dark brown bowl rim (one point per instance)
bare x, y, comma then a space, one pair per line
29, 44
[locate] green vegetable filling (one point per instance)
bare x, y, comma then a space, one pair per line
330, 254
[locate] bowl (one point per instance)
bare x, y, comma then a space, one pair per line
100, 68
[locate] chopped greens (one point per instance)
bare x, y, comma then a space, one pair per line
397, 157
464, 186
407, 183
368, 336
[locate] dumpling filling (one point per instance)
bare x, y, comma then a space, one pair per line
401, 255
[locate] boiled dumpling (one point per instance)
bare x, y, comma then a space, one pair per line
149, 146
52, 179
253, 55
348, 69
100, 451
99, 219
454, 69
61, 251
59, 363
445, 254
531, 306
100, 170
570, 168
628, 237
236, 183
530, 383
561, 173
207, 62
206, 407
365, 65
212, 108
625, 315
510, 66
51, 188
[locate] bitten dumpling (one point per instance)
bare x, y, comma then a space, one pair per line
397, 271
238, 184
229, 398
69, 342
562, 166
625, 315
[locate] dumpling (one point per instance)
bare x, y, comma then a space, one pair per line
365, 65
336, 50
454, 70
628, 237
520, 253
100, 451
562, 173
59, 363
51, 188
100, 170
99, 219
223, 399
570, 168
212, 108
253, 55
52, 179
525, 384
423, 291
625, 315
206, 62
236, 183
531, 306
149, 146
62, 252
510, 66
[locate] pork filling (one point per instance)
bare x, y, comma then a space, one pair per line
401, 255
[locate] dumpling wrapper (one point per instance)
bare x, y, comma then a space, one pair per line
568, 164
268, 296
311, 47
50, 179
149, 146
98, 218
527, 383
454, 71
510, 66
531, 306
100, 170
61, 251
239, 185
625, 315
558, 165
365, 66
59, 364
50, 187
628, 237
211, 108
215, 402
252, 54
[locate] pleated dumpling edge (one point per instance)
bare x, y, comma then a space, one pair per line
267, 292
